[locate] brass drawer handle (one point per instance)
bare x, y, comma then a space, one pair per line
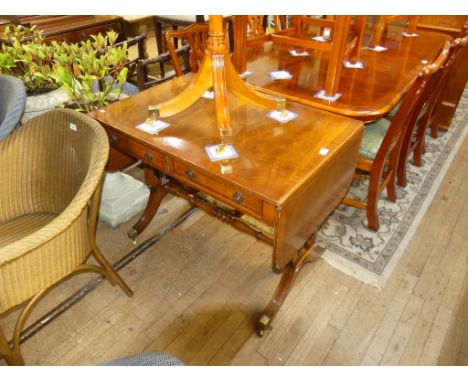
189, 173
238, 197
148, 156
113, 139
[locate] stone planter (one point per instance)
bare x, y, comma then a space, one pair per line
38, 104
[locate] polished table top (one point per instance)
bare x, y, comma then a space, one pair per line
366, 93
274, 158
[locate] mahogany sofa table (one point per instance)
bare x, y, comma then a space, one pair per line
288, 176
366, 94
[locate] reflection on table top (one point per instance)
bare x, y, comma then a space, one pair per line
274, 158
366, 93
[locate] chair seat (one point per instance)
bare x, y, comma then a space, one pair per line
15, 229
374, 134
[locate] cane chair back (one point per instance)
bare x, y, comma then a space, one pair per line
195, 36
47, 229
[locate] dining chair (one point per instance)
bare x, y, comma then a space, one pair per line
460, 44
414, 138
196, 37
380, 150
174, 21
49, 202
12, 104
145, 78
382, 22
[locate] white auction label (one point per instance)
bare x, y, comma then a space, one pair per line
282, 117
280, 75
153, 127
221, 152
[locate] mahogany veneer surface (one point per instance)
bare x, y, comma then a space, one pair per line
366, 93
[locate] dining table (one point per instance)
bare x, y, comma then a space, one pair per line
366, 93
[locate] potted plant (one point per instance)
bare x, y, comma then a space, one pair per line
25, 55
93, 72
87, 75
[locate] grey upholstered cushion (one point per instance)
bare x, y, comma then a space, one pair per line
12, 102
374, 134
146, 359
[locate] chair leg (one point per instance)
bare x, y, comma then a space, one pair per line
419, 147
371, 210
12, 358
111, 273
391, 188
403, 160
418, 153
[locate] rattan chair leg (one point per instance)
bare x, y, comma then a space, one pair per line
111, 274
24, 316
8, 354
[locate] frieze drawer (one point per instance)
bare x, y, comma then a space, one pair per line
140, 151
237, 198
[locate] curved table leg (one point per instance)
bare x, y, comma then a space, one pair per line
157, 194
308, 254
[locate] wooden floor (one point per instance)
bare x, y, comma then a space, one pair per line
199, 289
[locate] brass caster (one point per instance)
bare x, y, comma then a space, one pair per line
132, 234
263, 324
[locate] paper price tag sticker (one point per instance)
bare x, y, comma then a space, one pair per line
298, 54
280, 75
321, 38
282, 117
324, 151
209, 94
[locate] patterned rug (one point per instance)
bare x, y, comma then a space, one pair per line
371, 256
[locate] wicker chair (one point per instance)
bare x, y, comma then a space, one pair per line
12, 102
51, 168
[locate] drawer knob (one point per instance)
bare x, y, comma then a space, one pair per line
189, 173
113, 139
148, 156
238, 197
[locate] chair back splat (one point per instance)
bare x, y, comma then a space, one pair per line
196, 36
